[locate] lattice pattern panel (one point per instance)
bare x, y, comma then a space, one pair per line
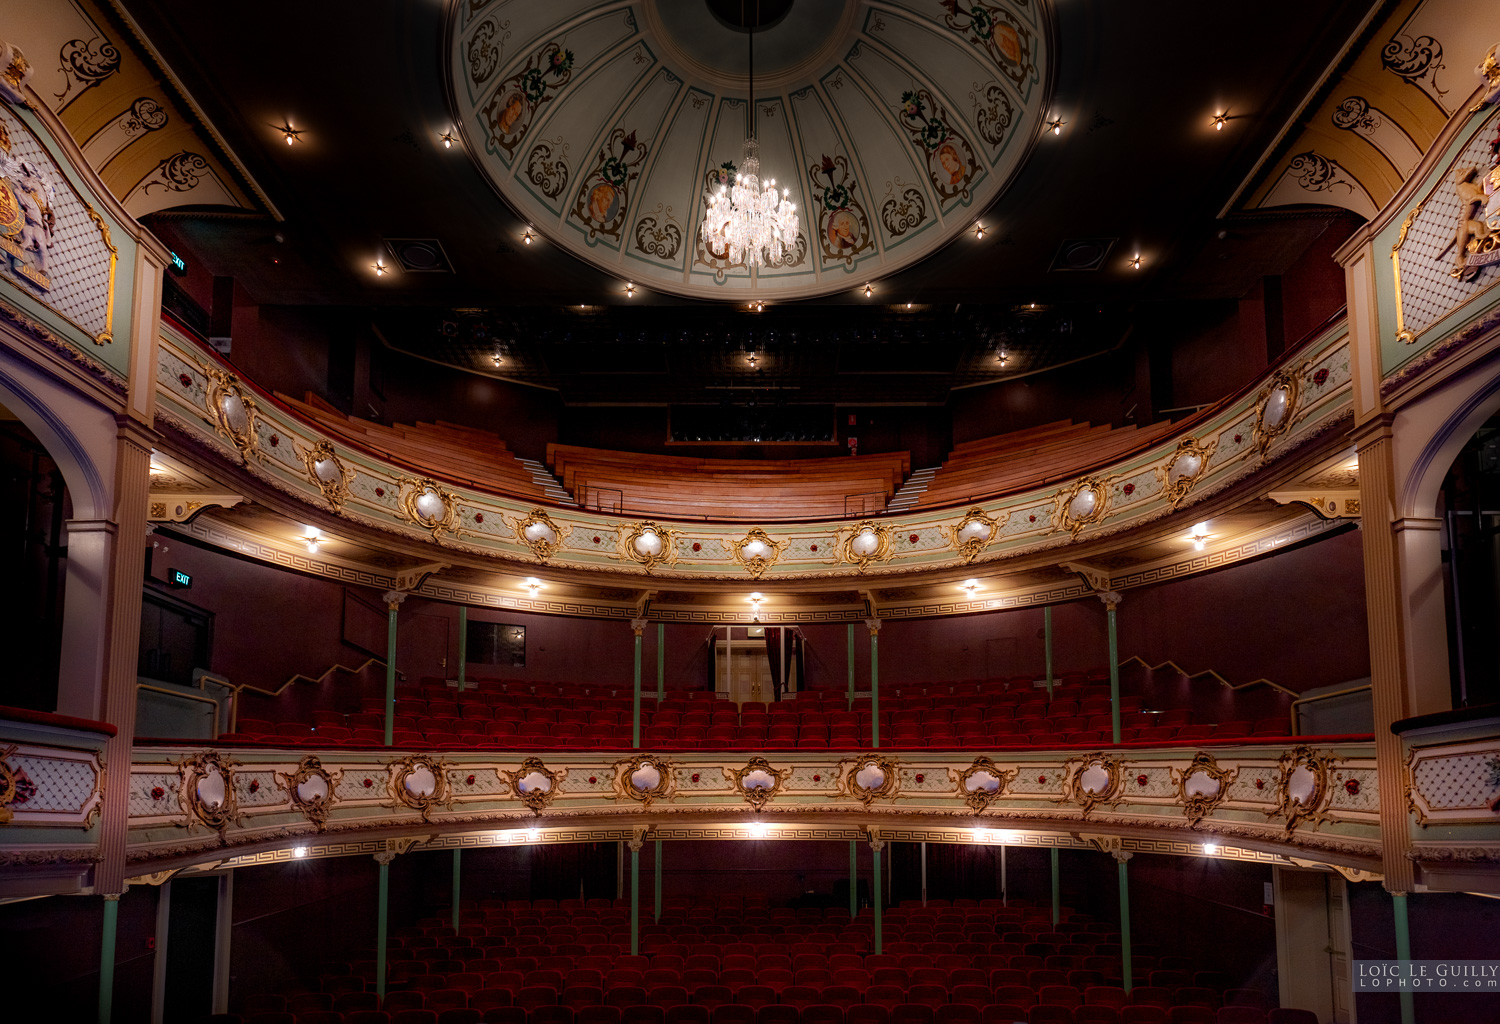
1456, 782
78, 259
53, 787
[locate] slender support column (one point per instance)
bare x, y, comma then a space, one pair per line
657, 890
393, 599
107, 958
637, 626
159, 955
1047, 645
1120, 859
853, 865
851, 666
1111, 601
875, 894
223, 935
661, 662
457, 884
382, 909
463, 644
1403, 952
1004, 879
873, 625
924, 874
1056, 890
635, 898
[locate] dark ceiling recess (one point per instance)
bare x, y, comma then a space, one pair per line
419, 255
749, 14
1082, 253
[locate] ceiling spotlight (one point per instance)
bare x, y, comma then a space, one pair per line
291, 134
1200, 536
758, 829
752, 359
755, 600
869, 291
1135, 262
380, 268
312, 545
969, 586
527, 237
299, 851
760, 307
1001, 357
908, 305
978, 230
533, 834
1056, 126
630, 289
497, 359
1219, 121
447, 138
1210, 848
533, 584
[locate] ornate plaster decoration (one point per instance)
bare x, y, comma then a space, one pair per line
1302, 792
1202, 786
756, 552
311, 788
757, 783
232, 411
326, 471
982, 782
539, 533
1083, 504
1112, 845
534, 784
7, 784
1092, 780
973, 532
427, 504
868, 778
419, 781
864, 543
1276, 406
1184, 468
648, 544
206, 790
645, 778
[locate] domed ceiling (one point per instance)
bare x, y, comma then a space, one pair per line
892, 124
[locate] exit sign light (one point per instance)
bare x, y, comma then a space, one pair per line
178, 578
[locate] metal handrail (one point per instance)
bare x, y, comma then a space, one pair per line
1318, 697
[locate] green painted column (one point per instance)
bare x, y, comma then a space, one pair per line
1403, 952
1111, 601
1047, 645
661, 662
875, 897
853, 867
635, 899
657, 891
457, 881
381, 912
874, 684
107, 958
463, 644
1056, 890
393, 599
635, 728
851, 666
1124, 924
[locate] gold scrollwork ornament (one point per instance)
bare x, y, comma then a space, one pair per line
756, 551
1092, 780
311, 788
648, 544
1202, 786
1184, 468
1275, 408
539, 533
425, 503
864, 543
757, 782
982, 783
206, 790
644, 778
419, 781
327, 472
869, 778
7, 785
1302, 791
974, 532
1083, 504
534, 783
233, 412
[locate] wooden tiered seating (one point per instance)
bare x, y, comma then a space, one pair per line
1031, 458
674, 485
457, 453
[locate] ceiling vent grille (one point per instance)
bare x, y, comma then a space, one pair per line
419, 255
1082, 253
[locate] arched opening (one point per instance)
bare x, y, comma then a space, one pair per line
1469, 510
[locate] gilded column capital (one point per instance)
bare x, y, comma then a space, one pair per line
638, 626
393, 598
873, 625
1111, 598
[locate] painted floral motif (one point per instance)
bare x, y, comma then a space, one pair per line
950, 160
997, 32
510, 112
843, 228
604, 195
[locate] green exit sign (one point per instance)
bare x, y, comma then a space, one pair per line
179, 265
178, 578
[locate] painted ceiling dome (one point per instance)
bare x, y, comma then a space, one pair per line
891, 125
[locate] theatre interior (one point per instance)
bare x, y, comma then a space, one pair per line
749, 511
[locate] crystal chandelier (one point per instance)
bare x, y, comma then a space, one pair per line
747, 223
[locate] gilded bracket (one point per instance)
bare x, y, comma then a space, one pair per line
311, 789
974, 532
1202, 786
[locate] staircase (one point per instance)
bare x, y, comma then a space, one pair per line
906, 498
544, 479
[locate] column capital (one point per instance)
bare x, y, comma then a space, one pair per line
1111, 598
638, 838
113, 895
873, 838
393, 598
873, 625
638, 626
384, 857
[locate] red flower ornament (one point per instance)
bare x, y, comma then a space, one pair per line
593, 779
596, 540
912, 539
695, 776
1140, 780
1260, 783
254, 786
697, 546
1041, 779
1238, 438
478, 517
157, 792
1129, 489
184, 380
921, 778
470, 780
817, 778
1321, 377
1032, 518
1351, 787
380, 492
275, 441
814, 547
369, 783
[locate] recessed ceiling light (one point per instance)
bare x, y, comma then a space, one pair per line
1056, 126
292, 134
380, 268
629, 289
447, 138
869, 291
527, 236
978, 230
1135, 262
1219, 121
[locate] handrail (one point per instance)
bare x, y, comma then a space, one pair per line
185, 696
1321, 696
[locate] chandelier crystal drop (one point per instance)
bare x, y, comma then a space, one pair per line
749, 223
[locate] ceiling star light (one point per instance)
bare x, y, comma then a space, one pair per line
1135, 262
1219, 121
869, 291
533, 584
969, 586
527, 237
630, 289
291, 134
978, 230
751, 225
755, 600
379, 267
1056, 126
1200, 536
447, 139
